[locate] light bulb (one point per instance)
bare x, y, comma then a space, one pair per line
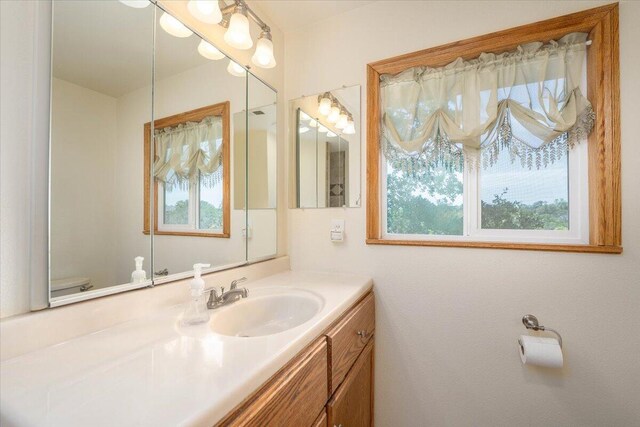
303, 129
136, 4
313, 123
174, 27
236, 69
322, 129
325, 105
238, 35
334, 114
207, 11
331, 134
209, 51
263, 56
341, 123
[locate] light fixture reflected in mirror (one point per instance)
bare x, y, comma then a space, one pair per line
303, 129
334, 114
174, 27
209, 51
322, 129
238, 34
304, 116
207, 11
350, 129
331, 134
341, 123
236, 69
313, 123
325, 104
136, 4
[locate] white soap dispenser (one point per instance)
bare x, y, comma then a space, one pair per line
138, 275
196, 311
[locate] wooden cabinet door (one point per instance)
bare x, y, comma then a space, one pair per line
352, 404
292, 398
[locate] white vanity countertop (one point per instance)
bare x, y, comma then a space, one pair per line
152, 372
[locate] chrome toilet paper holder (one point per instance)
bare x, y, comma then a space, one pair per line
531, 322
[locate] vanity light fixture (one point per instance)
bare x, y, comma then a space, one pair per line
136, 4
174, 27
209, 51
238, 34
235, 18
207, 11
263, 56
236, 69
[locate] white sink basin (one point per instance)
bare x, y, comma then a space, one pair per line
267, 312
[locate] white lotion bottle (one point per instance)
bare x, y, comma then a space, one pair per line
138, 275
196, 312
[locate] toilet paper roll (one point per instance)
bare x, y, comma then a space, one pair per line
540, 351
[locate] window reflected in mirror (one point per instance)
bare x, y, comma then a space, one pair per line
190, 173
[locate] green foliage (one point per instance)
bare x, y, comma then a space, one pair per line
423, 203
410, 202
178, 213
210, 216
513, 215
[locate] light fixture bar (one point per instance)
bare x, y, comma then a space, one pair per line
227, 11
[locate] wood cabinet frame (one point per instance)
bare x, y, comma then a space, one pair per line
222, 110
603, 81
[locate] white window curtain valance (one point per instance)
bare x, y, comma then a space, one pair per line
527, 102
189, 150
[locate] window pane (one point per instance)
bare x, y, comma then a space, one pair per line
516, 198
210, 205
176, 204
424, 202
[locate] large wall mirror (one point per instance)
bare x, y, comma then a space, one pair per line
325, 140
163, 153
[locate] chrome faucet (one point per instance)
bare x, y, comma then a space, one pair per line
225, 298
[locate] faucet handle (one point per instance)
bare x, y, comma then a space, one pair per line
213, 296
234, 284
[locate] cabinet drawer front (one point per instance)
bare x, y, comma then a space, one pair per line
348, 338
294, 397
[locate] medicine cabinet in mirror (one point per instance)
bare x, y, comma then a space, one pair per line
151, 161
325, 140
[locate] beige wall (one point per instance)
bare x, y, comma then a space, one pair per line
83, 170
448, 319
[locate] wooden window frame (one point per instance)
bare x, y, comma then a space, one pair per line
603, 90
222, 110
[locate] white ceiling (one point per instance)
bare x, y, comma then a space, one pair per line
292, 15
